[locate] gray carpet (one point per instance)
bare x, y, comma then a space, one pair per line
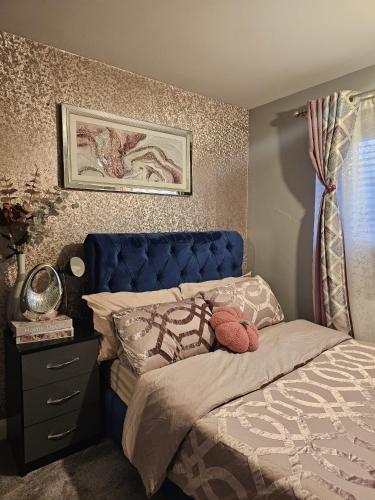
100, 472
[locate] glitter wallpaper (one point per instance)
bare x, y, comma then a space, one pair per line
35, 79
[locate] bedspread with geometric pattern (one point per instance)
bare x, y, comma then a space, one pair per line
308, 435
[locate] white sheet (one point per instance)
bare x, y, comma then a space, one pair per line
122, 380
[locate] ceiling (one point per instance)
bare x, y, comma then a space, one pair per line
245, 52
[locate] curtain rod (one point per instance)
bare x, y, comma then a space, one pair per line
365, 95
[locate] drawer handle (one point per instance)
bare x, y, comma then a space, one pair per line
58, 401
56, 366
61, 435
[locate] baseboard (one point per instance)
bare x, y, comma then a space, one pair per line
3, 429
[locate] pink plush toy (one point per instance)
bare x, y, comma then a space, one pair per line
234, 330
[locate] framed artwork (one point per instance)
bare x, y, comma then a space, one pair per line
102, 151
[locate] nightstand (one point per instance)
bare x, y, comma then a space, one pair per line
53, 398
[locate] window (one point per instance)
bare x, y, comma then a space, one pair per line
357, 205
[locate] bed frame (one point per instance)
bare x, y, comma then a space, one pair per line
152, 261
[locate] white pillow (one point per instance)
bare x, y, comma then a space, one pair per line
189, 290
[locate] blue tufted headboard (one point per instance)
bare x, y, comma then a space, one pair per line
138, 262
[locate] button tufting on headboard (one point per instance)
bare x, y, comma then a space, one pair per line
152, 261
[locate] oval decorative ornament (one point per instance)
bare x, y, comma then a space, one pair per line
41, 293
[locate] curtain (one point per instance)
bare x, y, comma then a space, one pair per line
357, 203
331, 122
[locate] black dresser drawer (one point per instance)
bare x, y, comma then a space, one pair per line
53, 397
61, 397
58, 433
51, 365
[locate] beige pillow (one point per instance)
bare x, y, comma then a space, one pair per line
253, 296
105, 303
191, 289
160, 334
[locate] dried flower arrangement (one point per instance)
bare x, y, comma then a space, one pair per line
24, 214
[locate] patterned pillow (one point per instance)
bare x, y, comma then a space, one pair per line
253, 296
157, 335
104, 304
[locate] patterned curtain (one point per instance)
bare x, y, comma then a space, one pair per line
331, 122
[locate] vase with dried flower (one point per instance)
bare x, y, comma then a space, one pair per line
23, 222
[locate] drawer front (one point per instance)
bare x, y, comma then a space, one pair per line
61, 397
58, 433
59, 363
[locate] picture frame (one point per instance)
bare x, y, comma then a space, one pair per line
107, 152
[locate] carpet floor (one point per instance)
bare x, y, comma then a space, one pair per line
98, 472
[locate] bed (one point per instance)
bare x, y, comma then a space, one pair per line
295, 419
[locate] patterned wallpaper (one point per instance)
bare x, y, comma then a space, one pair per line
35, 79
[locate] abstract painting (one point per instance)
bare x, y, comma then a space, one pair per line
107, 152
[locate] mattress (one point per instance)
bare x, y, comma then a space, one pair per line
122, 380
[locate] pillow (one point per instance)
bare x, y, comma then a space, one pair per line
191, 289
105, 303
253, 296
234, 330
157, 335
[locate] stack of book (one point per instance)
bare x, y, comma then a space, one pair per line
39, 331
